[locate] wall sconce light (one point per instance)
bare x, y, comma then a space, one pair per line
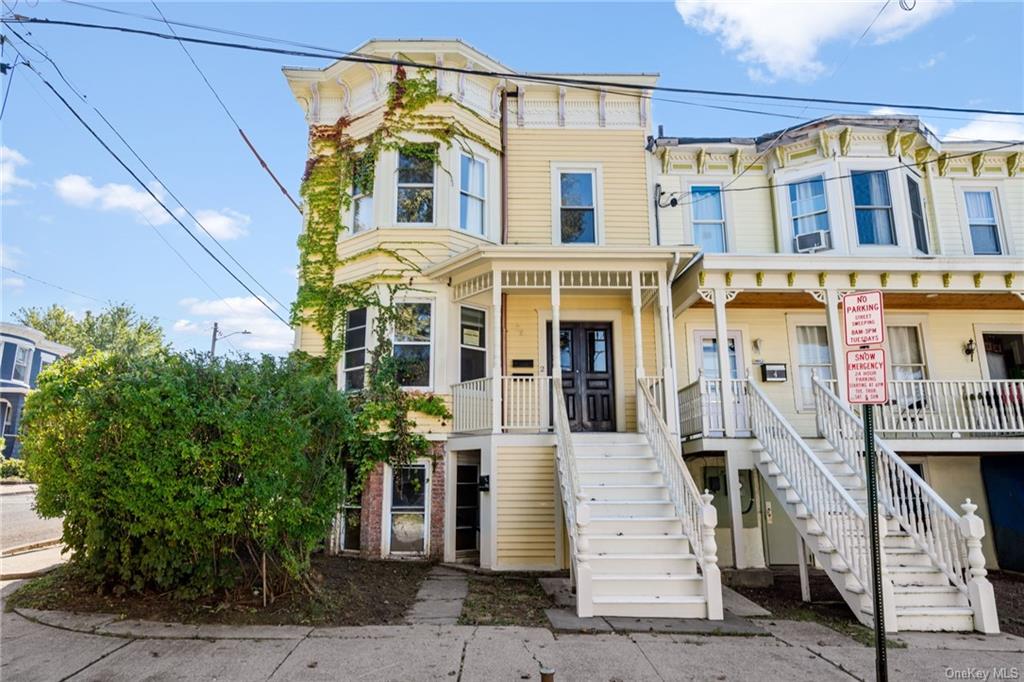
756, 343
969, 349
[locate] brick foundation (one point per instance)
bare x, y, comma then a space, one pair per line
437, 485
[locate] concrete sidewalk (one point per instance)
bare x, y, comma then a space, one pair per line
17, 488
52, 645
32, 563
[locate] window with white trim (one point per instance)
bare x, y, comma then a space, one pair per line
906, 357
362, 193
917, 215
355, 349
22, 362
8, 415
808, 206
472, 343
412, 341
415, 187
813, 360
872, 205
577, 206
984, 225
473, 195
708, 218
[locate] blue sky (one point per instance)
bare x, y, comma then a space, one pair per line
66, 218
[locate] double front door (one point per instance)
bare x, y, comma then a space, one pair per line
585, 355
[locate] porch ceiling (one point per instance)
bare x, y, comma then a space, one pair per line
893, 300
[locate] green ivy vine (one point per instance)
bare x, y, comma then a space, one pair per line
339, 165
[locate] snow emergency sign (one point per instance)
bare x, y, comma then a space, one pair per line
862, 318
865, 377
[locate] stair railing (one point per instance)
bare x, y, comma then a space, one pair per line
699, 517
574, 507
925, 516
841, 520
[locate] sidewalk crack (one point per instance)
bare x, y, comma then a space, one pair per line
94, 662
646, 657
288, 655
462, 659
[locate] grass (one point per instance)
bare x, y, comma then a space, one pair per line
506, 599
351, 592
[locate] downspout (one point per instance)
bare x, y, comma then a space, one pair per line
504, 166
657, 217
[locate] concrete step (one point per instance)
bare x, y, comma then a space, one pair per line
633, 508
636, 525
618, 564
638, 544
646, 585
651, 607
620, 476
618, 491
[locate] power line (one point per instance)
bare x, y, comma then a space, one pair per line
155, 198
7, 90
51, 284
145, 165
556, 80
227, 111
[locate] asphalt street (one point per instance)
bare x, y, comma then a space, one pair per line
19, 523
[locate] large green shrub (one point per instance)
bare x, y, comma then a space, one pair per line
183, 473
12, 468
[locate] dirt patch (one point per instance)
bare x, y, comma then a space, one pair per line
1009, 589
352, 592
506, 599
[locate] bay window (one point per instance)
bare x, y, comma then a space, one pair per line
362, 194
22, 360
917, 215
415, 189
472, 195
872, 205
355, 349
412, 341
708, 218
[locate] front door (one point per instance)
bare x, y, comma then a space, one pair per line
585, 354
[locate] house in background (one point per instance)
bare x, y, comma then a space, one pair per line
572, 270
25, 353
789, 222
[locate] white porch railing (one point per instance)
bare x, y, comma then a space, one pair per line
938, 530
841, 519
471, 406
525, 404
701, 409
574, 507
951, 408
656, 386
691, 410
698, 515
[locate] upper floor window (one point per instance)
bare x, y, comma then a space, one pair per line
981, 215
808, 208
577, 208
362, 194
415, 187
412, 339
872, 205
708, 218
917, 215
472, 195
22, 361
355, 349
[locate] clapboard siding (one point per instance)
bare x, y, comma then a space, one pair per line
526, 514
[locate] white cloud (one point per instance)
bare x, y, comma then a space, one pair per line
932, 61
10, 256
782, 40
234, 314
10, 161
994, 127
224, 224
79, 190
13, 283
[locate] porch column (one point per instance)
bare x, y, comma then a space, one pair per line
668, 381
556, 321
638, 336
724, 371
835, 341
496, 363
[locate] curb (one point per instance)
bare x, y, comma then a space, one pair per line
27, 574
30, 547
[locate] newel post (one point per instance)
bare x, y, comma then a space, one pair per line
709, 560
979, 589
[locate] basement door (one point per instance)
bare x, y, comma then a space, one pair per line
585, 354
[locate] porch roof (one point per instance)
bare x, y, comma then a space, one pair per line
928, 282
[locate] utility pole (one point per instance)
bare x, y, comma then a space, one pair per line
213, 342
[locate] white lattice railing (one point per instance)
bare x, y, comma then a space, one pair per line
842, 521
574, 506
471, 406
698, 515
691, 410
924, 515
525, 404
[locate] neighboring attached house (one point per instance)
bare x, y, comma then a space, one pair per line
787, 223
565, 449
25, 353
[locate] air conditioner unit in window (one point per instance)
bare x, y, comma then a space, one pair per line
812, 241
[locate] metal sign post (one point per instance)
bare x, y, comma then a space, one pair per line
867, 386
